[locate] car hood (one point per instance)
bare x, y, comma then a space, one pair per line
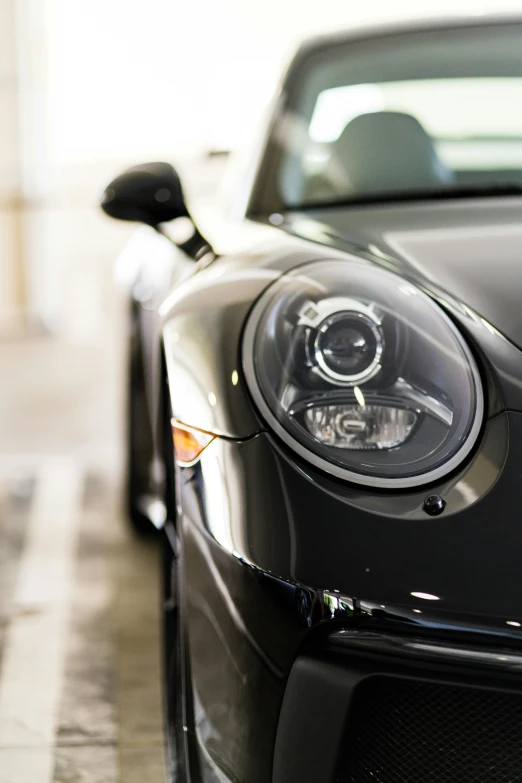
472, 249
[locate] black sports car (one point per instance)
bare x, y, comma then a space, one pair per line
341, 371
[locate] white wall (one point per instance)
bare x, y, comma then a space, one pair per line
129, 78
10, 249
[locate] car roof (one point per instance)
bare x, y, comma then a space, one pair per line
362, 31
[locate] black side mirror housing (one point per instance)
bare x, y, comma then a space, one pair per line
150, 193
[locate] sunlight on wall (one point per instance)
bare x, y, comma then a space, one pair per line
128, 78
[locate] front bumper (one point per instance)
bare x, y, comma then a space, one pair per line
277, 559
367, 718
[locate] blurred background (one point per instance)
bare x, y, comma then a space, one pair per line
87, 88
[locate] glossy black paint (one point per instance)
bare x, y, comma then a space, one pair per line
420, 649
275, 554
305, 528
434, 505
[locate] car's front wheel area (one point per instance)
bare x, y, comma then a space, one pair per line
139, 445
172, 689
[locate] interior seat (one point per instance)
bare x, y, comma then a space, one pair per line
381, 152
387, 150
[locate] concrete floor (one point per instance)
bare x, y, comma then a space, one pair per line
80, 694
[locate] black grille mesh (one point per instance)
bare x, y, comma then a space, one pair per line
403, 731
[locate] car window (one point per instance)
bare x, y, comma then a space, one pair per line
451, 119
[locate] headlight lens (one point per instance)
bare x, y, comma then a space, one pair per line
348, 343
363, 374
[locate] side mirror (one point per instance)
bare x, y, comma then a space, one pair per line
150, 193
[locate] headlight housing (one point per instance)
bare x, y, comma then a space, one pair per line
363, 374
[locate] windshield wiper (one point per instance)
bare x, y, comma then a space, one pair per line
479, 190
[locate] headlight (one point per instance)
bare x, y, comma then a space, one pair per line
363, 374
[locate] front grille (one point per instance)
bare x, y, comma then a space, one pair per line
405, 731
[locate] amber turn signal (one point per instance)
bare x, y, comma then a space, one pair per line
189, 442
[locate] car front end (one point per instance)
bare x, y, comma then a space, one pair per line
346, 398
349, 538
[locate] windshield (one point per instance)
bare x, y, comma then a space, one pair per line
411, 113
